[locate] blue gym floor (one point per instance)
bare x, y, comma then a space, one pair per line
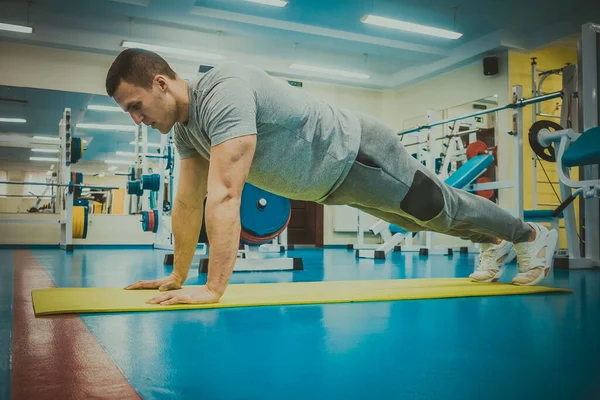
536, 346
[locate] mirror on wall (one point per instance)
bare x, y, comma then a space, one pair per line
29, 126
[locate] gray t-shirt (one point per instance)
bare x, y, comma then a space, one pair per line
305, 147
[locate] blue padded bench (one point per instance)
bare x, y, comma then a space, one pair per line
585, 150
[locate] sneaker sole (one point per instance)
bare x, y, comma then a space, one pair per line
495, 278
551, 243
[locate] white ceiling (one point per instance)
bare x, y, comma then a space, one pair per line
326, 33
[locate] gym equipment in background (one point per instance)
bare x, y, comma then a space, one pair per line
574, 149
536, 111
264, 216
74, 214
393, 235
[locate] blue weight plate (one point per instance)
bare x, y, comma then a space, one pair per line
145, 221
135, 187
261, 221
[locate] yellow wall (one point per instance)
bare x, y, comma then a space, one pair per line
520, 74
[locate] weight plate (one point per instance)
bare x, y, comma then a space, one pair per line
151, 182
545, 153
135, 188
476, 148
263, 221
145, 221
248, 238
487, 194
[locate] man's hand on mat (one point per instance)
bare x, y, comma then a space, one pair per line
197, 295
171, 282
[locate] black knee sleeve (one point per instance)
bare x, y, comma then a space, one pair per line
424, 199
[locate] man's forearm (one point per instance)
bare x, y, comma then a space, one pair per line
223, 226
186, 221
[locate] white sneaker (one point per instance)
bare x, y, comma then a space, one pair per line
491, 261
535, 258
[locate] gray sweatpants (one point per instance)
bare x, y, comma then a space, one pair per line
388, 183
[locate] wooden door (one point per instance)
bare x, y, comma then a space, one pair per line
306, 224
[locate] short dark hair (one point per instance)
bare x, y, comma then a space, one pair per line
137, 67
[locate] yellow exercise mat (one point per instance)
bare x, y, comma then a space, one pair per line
91, 300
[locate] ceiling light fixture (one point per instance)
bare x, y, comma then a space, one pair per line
104, 108
49, 138
107, 127
16, 28
409, 27
44, 150
275, 3
330, 71
14, 120
49, 159
172, 50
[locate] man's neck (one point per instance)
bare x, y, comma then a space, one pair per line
182, 99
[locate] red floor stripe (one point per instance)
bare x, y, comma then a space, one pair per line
56, 357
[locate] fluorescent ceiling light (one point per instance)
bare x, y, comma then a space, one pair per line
172, 50
155, 145
329, 71
105, 108
113, 168
276, 3
119, 162
107, 127
409, 27
50, 159
14, 120
16, 28
50, 138
45, 150
141, 3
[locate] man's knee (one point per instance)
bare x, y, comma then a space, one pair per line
424, 199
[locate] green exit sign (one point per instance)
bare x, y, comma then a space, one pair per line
479, 119
295, 83
479, 107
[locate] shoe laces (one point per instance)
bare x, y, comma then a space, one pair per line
487, 257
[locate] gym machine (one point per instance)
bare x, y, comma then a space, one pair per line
577, 145
536, 111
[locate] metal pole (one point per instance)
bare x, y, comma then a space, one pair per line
59, 185
463, 133
570, 110
590, 84
534, 93
66, 227
518, 153
519, 103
